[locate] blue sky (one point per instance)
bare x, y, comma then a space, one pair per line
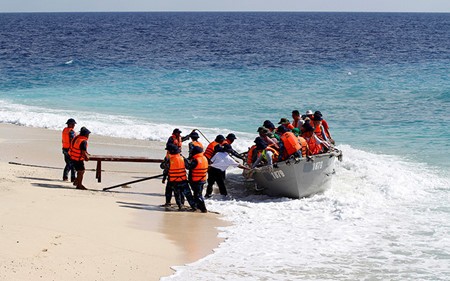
225, 5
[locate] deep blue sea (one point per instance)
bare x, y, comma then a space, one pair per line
381, 80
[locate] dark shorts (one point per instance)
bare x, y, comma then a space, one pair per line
78, 165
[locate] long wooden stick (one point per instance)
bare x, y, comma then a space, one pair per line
130, 182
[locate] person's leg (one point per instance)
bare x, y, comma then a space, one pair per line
211, 180
79, 166
186, 191
177, 193
68, 164
197, 188
220, 179
168, 194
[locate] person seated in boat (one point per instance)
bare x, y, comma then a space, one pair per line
315, 144
266, 136
265, 155
302, 141
309, 115
289, 145
297, 120
319, 130
285, 123
211, 148
229, 139
325, 126
194, 143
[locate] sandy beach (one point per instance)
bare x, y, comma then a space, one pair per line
51, 231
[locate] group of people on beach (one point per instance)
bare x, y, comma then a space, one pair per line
306, 135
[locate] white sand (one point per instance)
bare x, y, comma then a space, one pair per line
50, 231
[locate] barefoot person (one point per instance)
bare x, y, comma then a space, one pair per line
68, 134
78, 154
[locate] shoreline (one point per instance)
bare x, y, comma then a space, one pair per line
55, 232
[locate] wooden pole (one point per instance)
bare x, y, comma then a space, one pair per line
130, 182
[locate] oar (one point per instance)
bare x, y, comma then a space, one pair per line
130, 182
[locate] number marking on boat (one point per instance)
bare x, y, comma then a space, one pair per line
278, 174
317, 165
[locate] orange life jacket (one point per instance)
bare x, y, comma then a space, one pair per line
197, 143
200, 171
290, 143
75, 151
250, 153
177, 141
319, 131
304, 145
290, 126
177, 170
209, 153
66, 137
275, 153
314, 146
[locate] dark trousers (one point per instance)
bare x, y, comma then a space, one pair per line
181, 190
216, 176
168, 193
69, 166
197, 188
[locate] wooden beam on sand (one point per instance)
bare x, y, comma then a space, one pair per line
109, 158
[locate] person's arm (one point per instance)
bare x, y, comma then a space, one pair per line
256, 163
84, 153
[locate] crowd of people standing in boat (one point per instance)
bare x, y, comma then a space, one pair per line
305, 136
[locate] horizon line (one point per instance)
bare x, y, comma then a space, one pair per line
231, 11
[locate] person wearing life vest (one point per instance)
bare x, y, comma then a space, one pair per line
176, 167
302, 141
176, 138
194, 143
325, 126
211, 148
319, 129
297, 120
230, 138
68, 134
198, 170
252, 155
216, 173
315, 144
268, 138
272, 130
266, 154
285, 123
309, 115
289, 145
78, 154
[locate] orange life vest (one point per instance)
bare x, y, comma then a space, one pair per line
66, 137
314, 146
290, 143
319, 131
209, 153
177, 170
250, 155
275, 153
200, 171
75, 151
177, 141
304, 145
197, 143
290, 126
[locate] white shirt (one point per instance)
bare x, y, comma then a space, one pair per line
221, 161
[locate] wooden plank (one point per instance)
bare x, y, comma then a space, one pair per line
123, 159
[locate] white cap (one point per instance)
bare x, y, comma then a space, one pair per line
309, 112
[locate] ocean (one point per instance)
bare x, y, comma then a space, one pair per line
381, 80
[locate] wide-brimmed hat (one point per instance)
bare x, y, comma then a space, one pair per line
263, 130
309, 112
268, 124
318, 117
